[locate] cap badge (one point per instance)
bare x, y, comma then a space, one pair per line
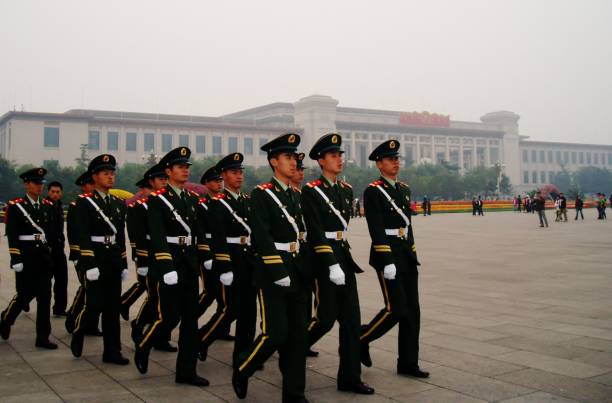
106, 158
236, 157
392, 145
291, 139
334, 139
183, 151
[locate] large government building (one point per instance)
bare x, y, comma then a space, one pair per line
32, 137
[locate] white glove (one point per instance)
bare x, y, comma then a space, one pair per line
92, 274
124, 274
208, 264
227, 278
18, 267
389, 272
142, 271
171, 278
336, 275
283, 282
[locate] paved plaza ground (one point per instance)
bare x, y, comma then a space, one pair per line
510, 312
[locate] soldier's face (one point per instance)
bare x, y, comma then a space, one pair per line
389, 166
178, 173
298, 178
158, 183
104, 178
88, 187
233, 178
214, 186
55, 193
34, 188
332, 162
284, 164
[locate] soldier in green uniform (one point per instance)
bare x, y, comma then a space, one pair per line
100, 236
28, 221
228, 217
283, 287
172, 222
86, 183
154, 179
305, 250
211, 286
393, 255
326, 203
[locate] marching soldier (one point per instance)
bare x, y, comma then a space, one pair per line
56, 241
393, 255
283, 287
305, 250
172, 221
100, 235
233, 260
154, 179
86, 183
326, 203
29, 219
211, 286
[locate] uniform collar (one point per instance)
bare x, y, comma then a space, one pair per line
390, 181
234, 195
102, 194
176, 190
329, 182
32, 201
280, 183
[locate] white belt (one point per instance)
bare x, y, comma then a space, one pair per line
105, 239
240, 240
302, 236
35, 237
399, 232
337, 235
208, 235
179, 240
287, 246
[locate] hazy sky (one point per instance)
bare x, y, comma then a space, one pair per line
548, 61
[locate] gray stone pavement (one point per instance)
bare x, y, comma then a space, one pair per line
510, 312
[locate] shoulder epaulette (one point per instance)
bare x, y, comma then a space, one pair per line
265, 186
219, 196
348, 185
17, 200
193, 193
47, 202
73, 203
202, 200
314, 183
114, 197
296, 189
403, 184
158, 192
376, 183
132, 204
86, 195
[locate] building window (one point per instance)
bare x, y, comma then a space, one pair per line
217, 145
525, 176
551, 176
542, 159
112, 141
166, 142
574, 157
609, 159
588, 155
362, 154
525, 156
347, 151
262, 141
248, 146
603, 159
130, 141
93, 140
558, 156
565, 157
149, 142
534, 177
581, 157
542, 177
200, 144
183, 140
534, 156
51, 136
550, 157
232, 144
493, 155
595, 158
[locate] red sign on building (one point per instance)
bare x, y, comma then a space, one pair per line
424, 119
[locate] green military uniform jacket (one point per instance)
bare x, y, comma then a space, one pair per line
90, 222
223, 224
381, 215
137, 229
167, 257
320, 219
17, 224
270, 224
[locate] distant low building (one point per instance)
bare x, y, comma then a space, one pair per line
28, 137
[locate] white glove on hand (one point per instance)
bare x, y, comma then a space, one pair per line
389, 272
336, 275
92, 274
208, 264
227, 278
171, 278
124, 274
142, 271
283, 282
18, 267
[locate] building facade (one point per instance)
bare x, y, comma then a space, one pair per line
27, 137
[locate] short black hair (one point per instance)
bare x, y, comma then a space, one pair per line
55, 184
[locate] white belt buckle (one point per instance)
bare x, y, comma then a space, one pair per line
182, 240
292, 247
243, 240
107, 239
401, 232
37, 237
301, 236
339, 236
